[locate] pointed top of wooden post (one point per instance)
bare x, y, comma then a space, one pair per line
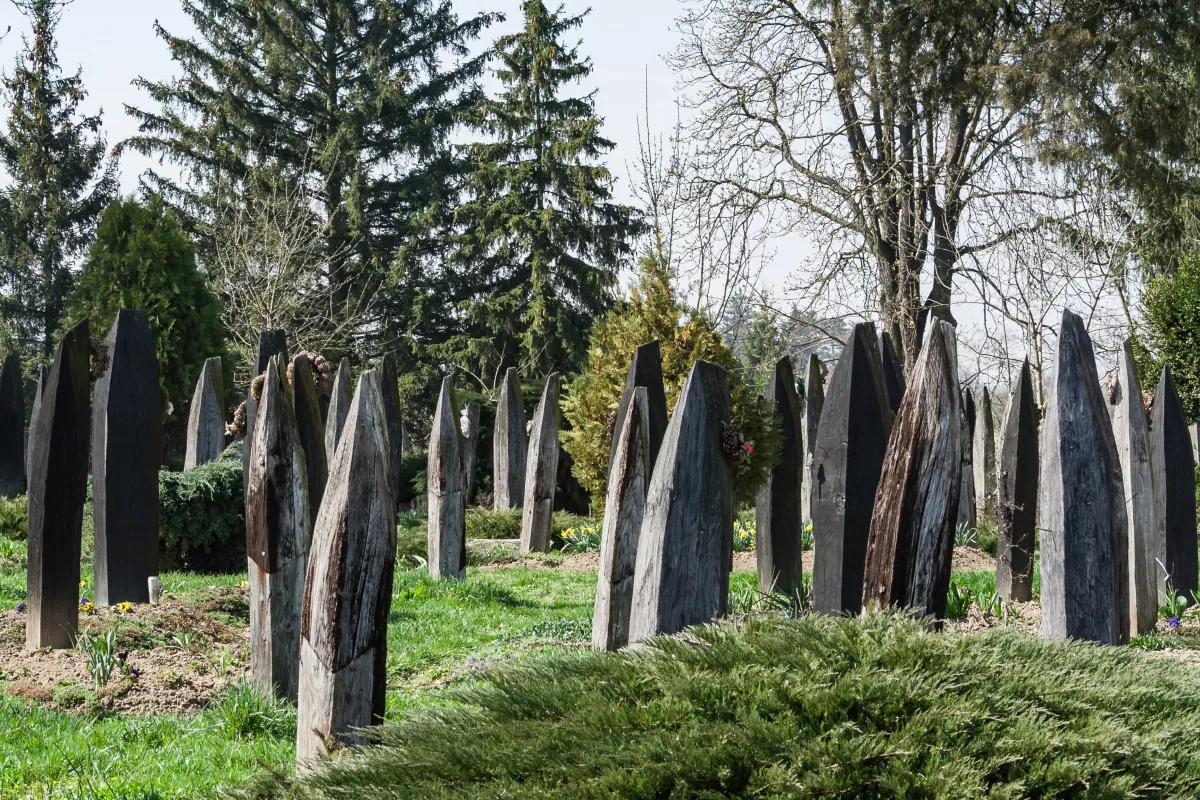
206, 417
645, 370
12, 426
508, 445
893, 373
777, 507
308, 425
339, 407
447, 545
541, 471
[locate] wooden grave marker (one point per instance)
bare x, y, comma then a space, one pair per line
447, 491
469, 426
813, 401
270, 344
311, 430
893, 373
12, 427
1017, 492
983, 457
508, 446
966, 491
1174, 476
206, 417
34, 411
645, 370
777, 507
339, 407
541, 472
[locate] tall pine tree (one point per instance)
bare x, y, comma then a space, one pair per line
60, 179
540, 240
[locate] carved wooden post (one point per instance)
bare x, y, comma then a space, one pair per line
206, 417
388, 384
447, 496
270, 344
277, 537
847, 461
916, 508
34, 412
346, 594
469, 425
1175, 486
813, 401
777, 508
893, 373
57, 489
686, 542
310, 430
966, 491
12, 427
339, 407
541, 472
983, 457
508, 446
1133, 450
625, 507
126, 455
1081, 503
645, 370
1017, 491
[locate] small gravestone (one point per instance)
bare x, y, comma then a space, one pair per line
966, 491
277, 538
1174, 476
469, 426
270, 344
389, 385
645, 370
893, 373
34, 411
625, 506
58, 462
685, 547
508, 446
206, 417
541, 472
339, 407
446, 491
1081, 503
126, 455
1146, 549
916, 507
777, 507
12, 427
1017, 491
983, 457
813, 401
847, 461
348, 591
310, 429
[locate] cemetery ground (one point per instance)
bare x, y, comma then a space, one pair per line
497, 694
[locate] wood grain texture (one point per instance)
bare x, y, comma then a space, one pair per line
389, 386
12, 427
1147, 542
541, 472
685, 547
1017, 492
446, 494
206, 417
508, 446
645, 370
348, 583
812, 403
916, 507
1081, 502
625, 507
777, 507
34, 412
58, 472
966, 491
310, 429
852, 437
126, 456
893, 373
983, 456
1174, 476
339, 407
270, 344
471, 432
278, 534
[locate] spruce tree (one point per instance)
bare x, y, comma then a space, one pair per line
540, 239
60, 179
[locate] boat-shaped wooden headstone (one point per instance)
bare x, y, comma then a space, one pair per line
1174, 476
206, 417
777, 507
339, 407
270, 344
310, 429
645, 370
34, 410
893, 373
446, 491
508, 446
389, 385
813, 401
983, 457
541, 472
1017, 492
469, 426
966, 491
12, 427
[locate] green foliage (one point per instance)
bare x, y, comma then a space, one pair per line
14, 518
484, 523
1172, 315
202, 518
986, 532
414, 467
245, 714
101, 652
965, 535
582, 539
958, 601
593, 397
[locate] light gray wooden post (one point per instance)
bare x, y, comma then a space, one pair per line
339, 407
508, 446
307, 408
469, 425
446, 491
813, 401
966, 492
206, 417
983, 456
541, 472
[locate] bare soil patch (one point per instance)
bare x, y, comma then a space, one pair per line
972, 559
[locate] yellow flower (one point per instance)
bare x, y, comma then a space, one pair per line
244, 585
124, 608
88, 608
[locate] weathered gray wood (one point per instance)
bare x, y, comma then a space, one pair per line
469, 425
339, 407
625, 507
685, 547
916, 507
206, 417
389, 385
126, 456
813, 401
1081, 503
777, 507
1175, 486
270, 344
310, 430
645, 370
58, 472
1017, 491
12, 427
508, 446
847, 461
966, 492
348, 589
34, 412
446, 491
278, 533
1146, 548
541, 472
893, 373
983, 457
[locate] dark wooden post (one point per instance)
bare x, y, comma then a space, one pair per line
893, 373
916, 508
339, 407
1146, 549
270, 344
1081, 502
847, 461
126, 455
983, 456
34, 411
813, 401
348, 590
206, 417
541, 472
1017, 492
777, 507
310, 429
645, 370
446, 491
389, 385
277, 537
686, 542
966, 492
470, 431
12, 427
57, 489
508, 446
1174, 476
